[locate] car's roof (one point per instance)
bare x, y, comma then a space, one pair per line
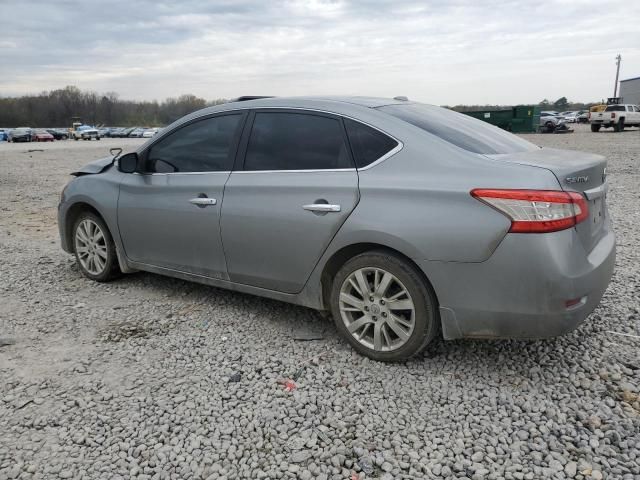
346, 105
371, 102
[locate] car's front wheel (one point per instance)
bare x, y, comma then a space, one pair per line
383, 307
94, 248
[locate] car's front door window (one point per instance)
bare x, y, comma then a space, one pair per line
202, 146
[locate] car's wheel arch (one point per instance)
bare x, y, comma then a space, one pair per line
339, 257
73, 213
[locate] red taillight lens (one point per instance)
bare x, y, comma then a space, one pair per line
536, 211
613, 114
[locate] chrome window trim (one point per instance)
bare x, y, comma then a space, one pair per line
386, 156
225, 172
310, 170
389, 154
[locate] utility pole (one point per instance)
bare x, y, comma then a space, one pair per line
615, 88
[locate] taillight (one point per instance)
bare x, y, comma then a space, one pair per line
536, 211
589, 116
613, 114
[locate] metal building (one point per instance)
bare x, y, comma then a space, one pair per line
630, 90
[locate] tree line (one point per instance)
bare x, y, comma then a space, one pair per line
59, 108
560, 105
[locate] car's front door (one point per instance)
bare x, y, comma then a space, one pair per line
295, 189
169, 213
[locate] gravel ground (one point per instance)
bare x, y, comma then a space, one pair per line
151, 377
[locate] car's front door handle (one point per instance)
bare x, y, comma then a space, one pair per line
322, 207
203, 201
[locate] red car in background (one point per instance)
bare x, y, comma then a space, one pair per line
42, 136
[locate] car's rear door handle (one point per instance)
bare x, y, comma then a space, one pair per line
322, 207
203, 201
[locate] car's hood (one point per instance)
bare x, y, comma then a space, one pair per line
97, 166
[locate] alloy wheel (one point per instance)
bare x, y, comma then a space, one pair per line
91, 247
377, 309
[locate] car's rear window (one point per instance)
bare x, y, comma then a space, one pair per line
460, 130
615, 108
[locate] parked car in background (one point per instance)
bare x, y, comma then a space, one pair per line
570, 117
85, 132
3, 135
21, 134
550, 122
136, 132
403, 219
42, 136
58, 134
122, 132
616, 116
583, 116
149, 132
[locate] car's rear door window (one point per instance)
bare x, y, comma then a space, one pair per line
296, 141
367, 144
202, 146
460, 130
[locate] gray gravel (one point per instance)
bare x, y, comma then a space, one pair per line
150, 377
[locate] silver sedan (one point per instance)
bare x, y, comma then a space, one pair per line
406, 221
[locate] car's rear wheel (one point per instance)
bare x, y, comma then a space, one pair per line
595, 128
383, 307
619, 127
550, 127
94, 248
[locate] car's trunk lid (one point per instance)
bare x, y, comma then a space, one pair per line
577, 172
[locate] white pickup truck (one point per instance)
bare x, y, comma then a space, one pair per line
616, 116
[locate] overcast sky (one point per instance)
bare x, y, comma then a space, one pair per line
436, 51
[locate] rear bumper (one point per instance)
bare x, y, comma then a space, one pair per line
522, 289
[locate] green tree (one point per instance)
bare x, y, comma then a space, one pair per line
562, 104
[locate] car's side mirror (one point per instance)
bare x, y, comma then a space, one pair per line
128, 163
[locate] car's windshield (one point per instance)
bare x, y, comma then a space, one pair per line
461, 130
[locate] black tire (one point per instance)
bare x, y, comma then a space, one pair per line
550, 127
75, 138
619, 127
427, 318
595, 128
111, 269
97, 138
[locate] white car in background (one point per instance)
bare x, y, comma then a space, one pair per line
150, 132
570, 117
85, 132
551, 121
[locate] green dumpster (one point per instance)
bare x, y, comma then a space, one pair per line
519, 119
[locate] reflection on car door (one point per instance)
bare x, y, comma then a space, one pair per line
296, 188
169, 215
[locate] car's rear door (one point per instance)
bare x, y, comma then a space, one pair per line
169, 214
294, 187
